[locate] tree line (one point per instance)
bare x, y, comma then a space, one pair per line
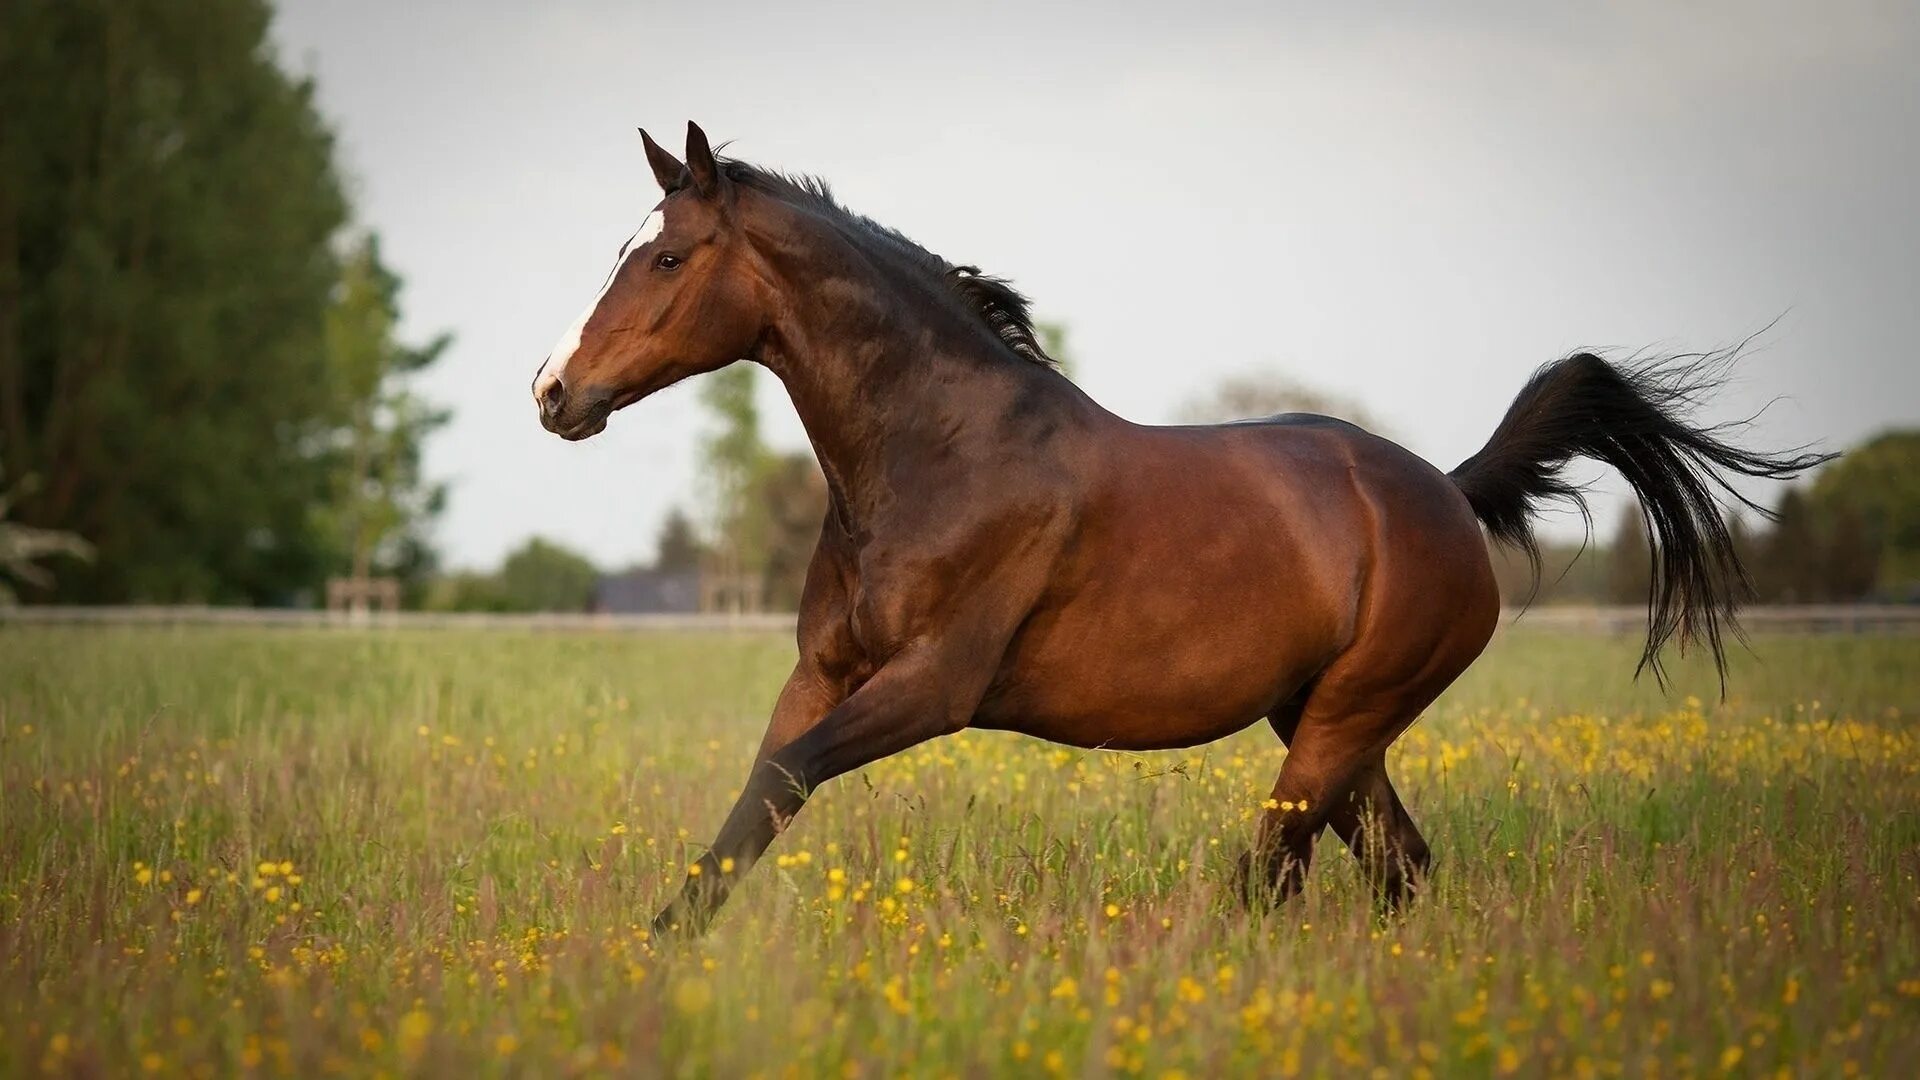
201, 387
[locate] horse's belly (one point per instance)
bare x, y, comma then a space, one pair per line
1140, 683
1118, 727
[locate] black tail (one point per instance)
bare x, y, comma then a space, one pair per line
1632, 417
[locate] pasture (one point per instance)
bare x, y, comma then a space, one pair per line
306, 852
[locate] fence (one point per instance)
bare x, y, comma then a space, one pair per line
1810, 618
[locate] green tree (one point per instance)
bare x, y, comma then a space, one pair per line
735, 458
543, 576
767, 506
1850, 563
1788, 568
1879, 482
793, 493
166, 207
466, 590
382, 504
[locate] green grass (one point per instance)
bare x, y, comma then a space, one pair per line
480, 825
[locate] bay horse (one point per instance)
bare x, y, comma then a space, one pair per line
1001, 552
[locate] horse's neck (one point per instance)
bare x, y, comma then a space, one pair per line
898, 390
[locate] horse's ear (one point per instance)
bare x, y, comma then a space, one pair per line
706, 172
667, 170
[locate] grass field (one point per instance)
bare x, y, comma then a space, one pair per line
309, 852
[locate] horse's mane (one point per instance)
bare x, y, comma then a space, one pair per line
1005, 312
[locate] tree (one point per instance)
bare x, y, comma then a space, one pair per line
735, 457
1569, 573
1630, 560
767, 506
1850, 560
678, 549
165, 217
1788, 569
1879, 482
466, 590
381, 503
543, 576
1258, 394
794, 494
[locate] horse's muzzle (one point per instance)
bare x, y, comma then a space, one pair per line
572, 416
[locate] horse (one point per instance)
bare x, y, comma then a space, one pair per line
1001, 552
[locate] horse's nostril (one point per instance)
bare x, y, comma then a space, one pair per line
550, 395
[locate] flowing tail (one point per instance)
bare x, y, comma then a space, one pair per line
1633, 417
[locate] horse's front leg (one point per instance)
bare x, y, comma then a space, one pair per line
804, 701
905, 703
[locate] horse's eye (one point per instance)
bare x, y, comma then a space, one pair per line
667, 262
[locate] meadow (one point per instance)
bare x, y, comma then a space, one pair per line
301, 852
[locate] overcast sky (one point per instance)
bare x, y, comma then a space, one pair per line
1410, 207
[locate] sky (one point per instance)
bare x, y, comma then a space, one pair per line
1412, 207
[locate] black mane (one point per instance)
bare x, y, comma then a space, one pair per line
993, 300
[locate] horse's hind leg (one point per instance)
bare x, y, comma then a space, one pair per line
1335, 777
1371, 820
1375, 825
1324, 760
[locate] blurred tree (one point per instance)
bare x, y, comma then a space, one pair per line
1570, 573
1746, 538
735, 458
466, 590
382, 505
678, 548
1630, 560
543, 576
1260, 394
165, 216
767, 506
1879, 484
1788, 568
794, 492
1850, 558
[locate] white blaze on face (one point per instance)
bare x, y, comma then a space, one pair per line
554, 370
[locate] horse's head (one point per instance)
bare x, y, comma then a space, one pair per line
681, 299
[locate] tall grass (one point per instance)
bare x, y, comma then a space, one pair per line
306, 852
